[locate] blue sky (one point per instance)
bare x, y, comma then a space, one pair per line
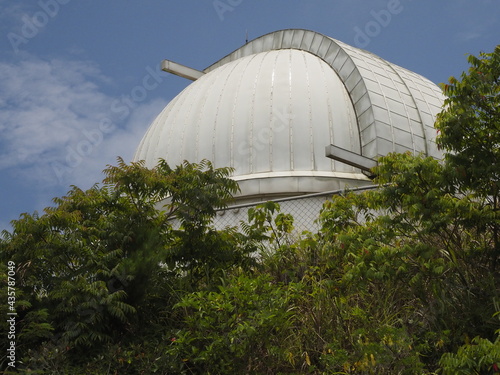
79, 80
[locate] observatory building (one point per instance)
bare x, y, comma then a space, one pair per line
295, 113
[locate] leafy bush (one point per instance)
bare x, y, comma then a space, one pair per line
241, 328
481, 356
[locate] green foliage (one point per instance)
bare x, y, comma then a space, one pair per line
470, 122
268, 226
241, 328
469, 130
422, 263
92, 267
481, 356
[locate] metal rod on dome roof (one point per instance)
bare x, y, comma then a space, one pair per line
181, 70
350, 158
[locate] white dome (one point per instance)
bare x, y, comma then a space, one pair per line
269, 109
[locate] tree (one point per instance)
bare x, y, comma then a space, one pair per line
469, 126
469, 129
90, 269
424, 256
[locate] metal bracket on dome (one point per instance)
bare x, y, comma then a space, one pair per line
181, 70
351, 158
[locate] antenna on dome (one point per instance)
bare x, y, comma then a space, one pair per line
246, 37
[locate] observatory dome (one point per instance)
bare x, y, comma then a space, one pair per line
270, 108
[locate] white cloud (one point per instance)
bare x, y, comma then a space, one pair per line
45, 104
121, 142
57, 125
11, 11
467, 36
